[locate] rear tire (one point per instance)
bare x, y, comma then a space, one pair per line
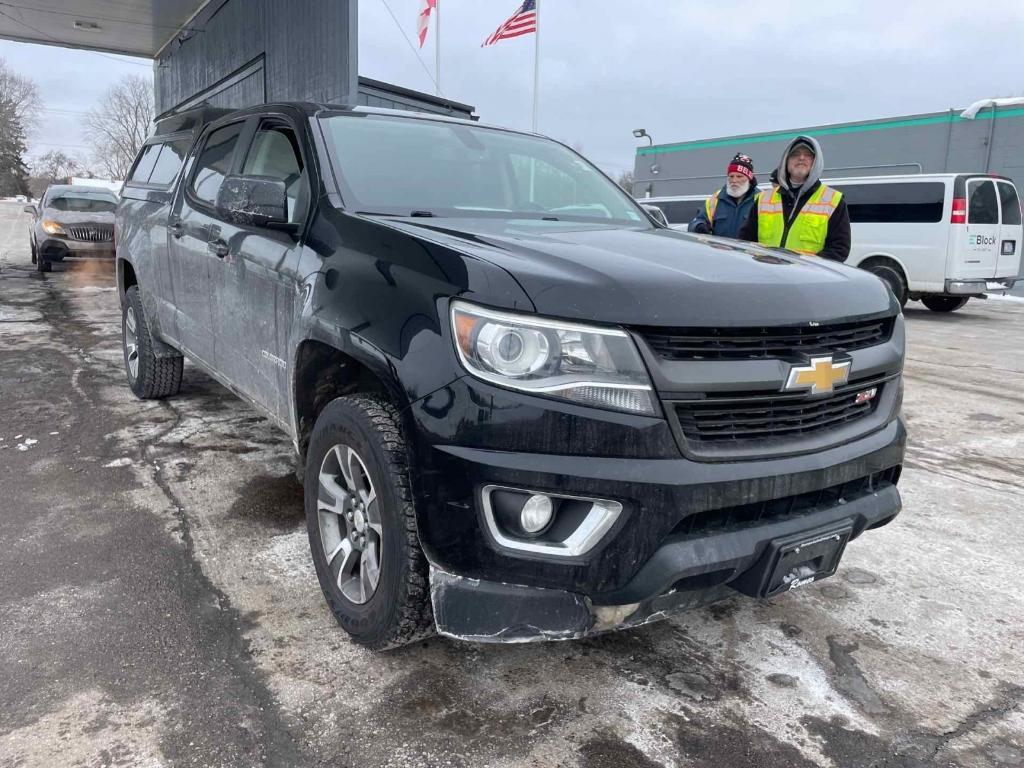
149, 377
362, 525
944, 303
892, 276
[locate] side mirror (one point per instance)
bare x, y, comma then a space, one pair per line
30, 209
252, 201
657, 214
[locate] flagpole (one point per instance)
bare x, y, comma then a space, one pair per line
536, 63
437, 46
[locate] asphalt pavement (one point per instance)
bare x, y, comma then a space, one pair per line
158, 606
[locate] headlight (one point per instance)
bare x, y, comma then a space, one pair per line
589, 365
52, 227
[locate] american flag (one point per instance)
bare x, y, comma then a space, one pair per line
522, 22
424, 19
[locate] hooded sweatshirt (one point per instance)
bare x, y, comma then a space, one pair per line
837, 241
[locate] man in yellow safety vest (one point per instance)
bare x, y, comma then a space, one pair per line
800, 213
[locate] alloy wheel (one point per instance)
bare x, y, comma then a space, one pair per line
131, 343
348, 513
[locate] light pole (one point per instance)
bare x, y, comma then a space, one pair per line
641, 133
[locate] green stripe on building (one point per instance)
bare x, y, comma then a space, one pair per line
759, 138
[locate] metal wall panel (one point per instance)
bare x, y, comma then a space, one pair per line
308, 49
932, 143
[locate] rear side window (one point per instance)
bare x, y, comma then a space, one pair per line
1010, 203
981, 203
168, 162
145, 163
214, 162
913, 202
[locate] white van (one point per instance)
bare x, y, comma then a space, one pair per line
938, 238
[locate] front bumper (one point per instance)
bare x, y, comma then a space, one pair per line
683, 573
55, 249
979, 287
655, 559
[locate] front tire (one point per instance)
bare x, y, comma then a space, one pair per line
149, 377
362, 526
944, 303
893, 278
32, 249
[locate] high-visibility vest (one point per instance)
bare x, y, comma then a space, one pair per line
709, 209
808, 231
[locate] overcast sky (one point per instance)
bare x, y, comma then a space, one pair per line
682, 69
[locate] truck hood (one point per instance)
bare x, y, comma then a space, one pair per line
661, 277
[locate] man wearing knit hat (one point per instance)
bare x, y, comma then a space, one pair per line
800, 213
726, 209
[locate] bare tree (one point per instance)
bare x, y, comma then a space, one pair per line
625, 180
22, 94
118, 127
54, 167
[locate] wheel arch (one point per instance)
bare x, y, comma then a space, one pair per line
884, 258
323, 371
126, 277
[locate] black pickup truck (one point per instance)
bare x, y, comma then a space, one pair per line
522, 408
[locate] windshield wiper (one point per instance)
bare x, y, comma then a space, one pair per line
413, 214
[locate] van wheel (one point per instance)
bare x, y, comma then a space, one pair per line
150, 377
944, 303
893, 278
362, 526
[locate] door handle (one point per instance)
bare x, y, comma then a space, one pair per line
218, 248
176, 229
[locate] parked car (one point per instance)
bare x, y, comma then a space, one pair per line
72, 223
938, 238
679, 210
522, 409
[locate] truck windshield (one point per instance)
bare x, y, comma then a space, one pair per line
409, 167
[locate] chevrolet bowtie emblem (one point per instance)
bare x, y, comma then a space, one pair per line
822, 375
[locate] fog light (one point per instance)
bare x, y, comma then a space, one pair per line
536, 513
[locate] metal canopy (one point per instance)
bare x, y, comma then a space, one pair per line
132, 27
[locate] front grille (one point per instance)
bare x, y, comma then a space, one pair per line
771, 510
762, 417
754, 343
92, 233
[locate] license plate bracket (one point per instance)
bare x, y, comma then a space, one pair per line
793, 561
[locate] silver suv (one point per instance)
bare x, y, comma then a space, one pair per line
72, 222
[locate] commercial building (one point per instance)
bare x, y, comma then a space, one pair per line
226, 53
937, 142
